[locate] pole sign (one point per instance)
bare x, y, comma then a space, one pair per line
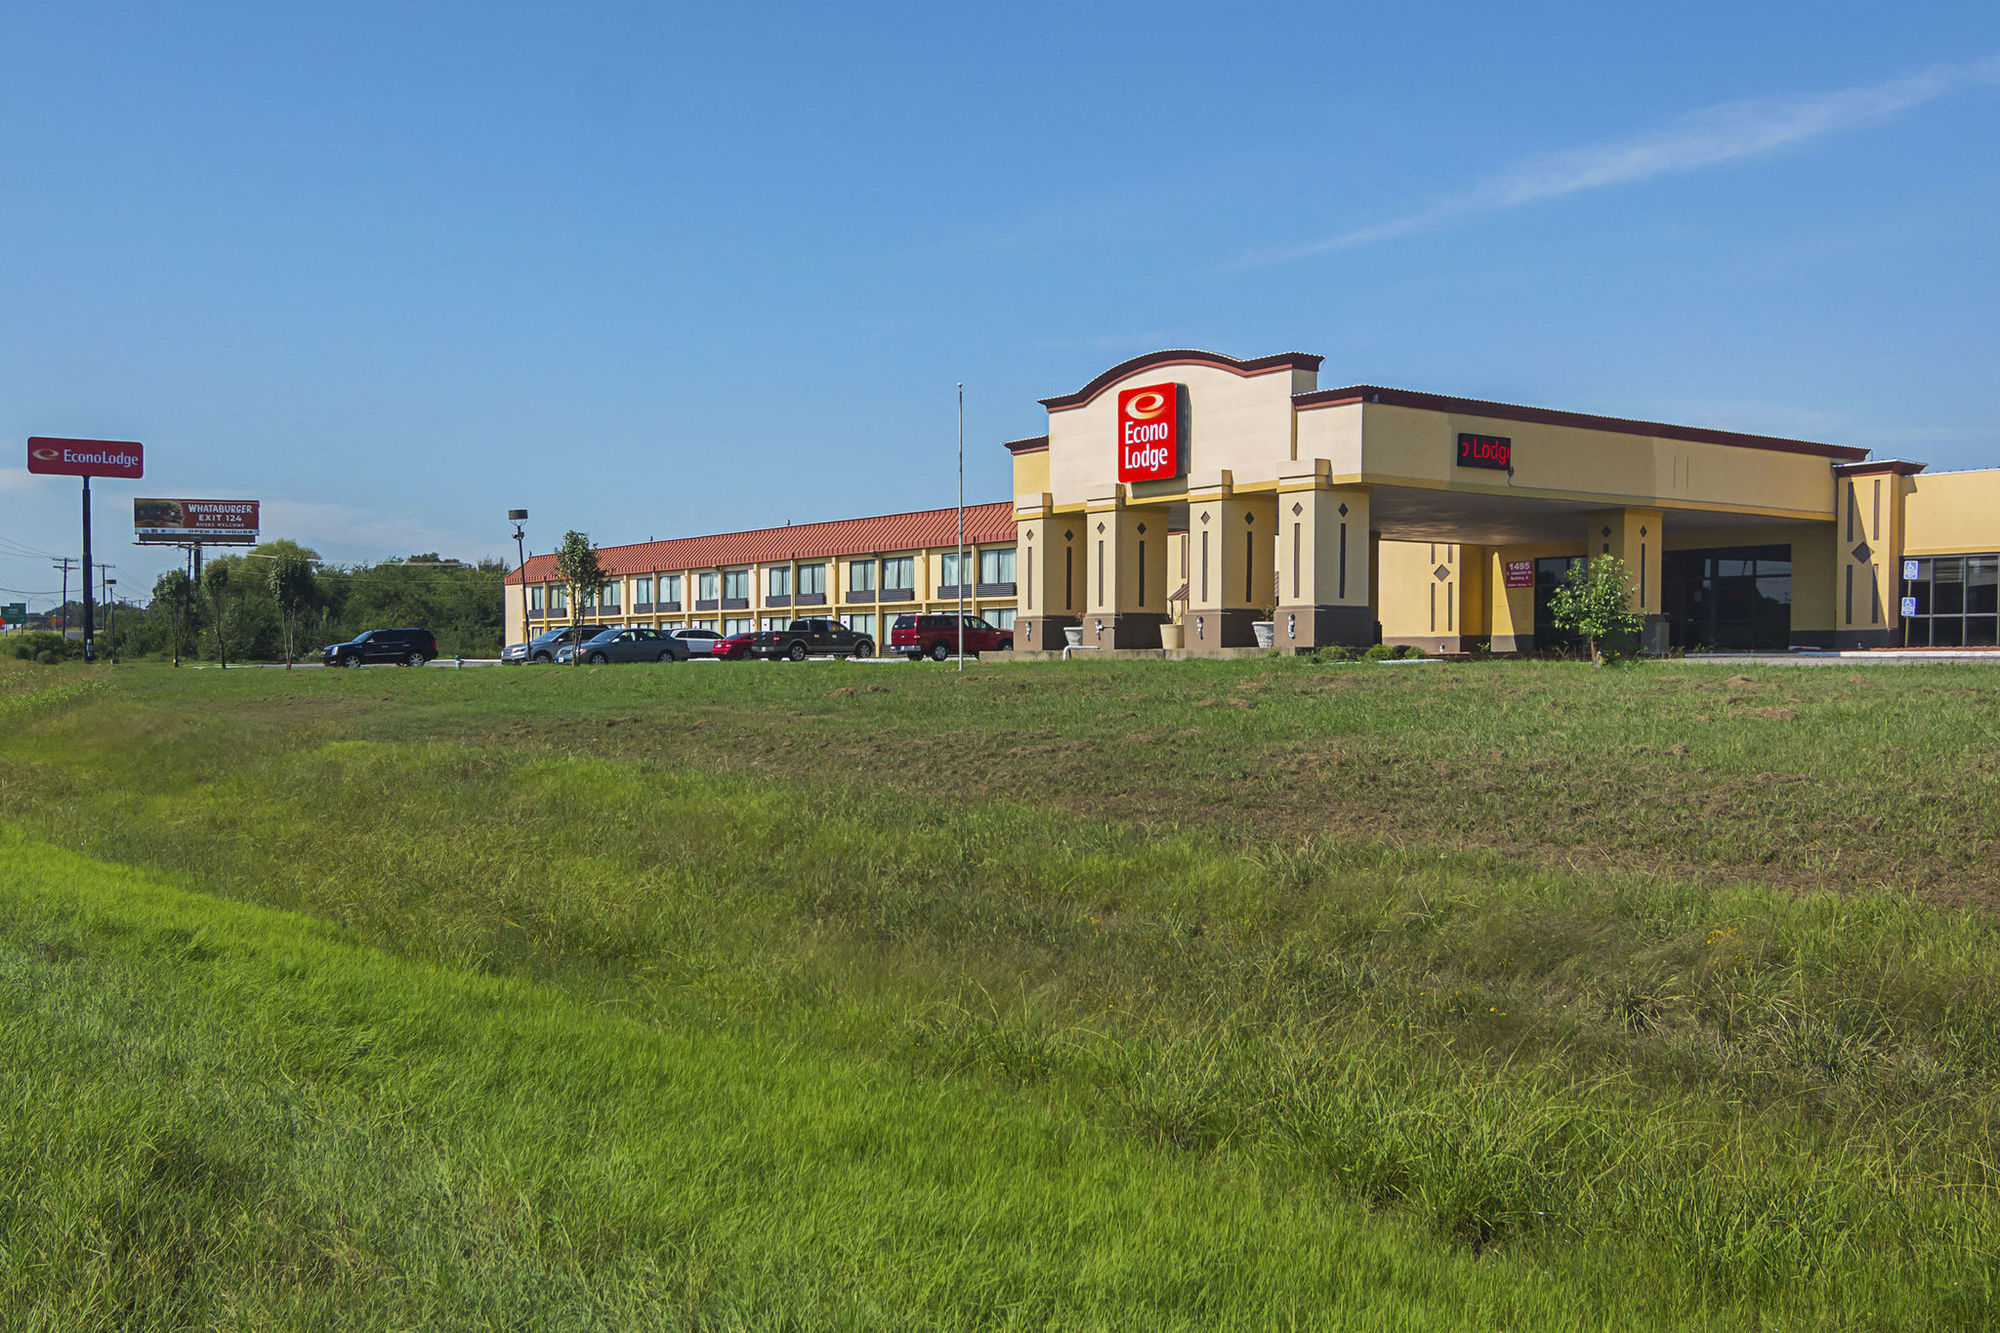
1519, 573
1149, 433
85, 458
219, 522
14, 613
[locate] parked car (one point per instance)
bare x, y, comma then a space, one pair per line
808, 636
544, 646
734, 648
635, 643
937, 635
697, 639
411, 647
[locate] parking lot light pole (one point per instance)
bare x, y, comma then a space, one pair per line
517, 517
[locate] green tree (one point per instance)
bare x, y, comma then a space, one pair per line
175, 604
1595, 601
215, 581
577, 567
293, 590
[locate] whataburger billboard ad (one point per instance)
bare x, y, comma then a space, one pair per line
222, 522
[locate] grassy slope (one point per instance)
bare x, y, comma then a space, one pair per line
224, 1116
1659, 1089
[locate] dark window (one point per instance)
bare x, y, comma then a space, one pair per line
1735, 597
1952, 601
1549, 574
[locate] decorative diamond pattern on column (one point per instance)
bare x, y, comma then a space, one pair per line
1862, 553
1441, 573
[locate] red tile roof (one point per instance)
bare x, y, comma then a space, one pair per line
886, 534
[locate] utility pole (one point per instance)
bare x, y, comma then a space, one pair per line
961, 527
62, 607
109, 605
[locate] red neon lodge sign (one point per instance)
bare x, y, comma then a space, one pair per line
1149, 433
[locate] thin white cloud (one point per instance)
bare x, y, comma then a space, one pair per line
1707, 138
343, 533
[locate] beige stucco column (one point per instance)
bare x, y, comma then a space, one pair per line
1232, 547
1325, 573
1125, 549
1633, 535
1868, 531
1049, 569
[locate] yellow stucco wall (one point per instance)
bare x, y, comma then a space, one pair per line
1952, 513
1031, 472
1414, 603
1419, 447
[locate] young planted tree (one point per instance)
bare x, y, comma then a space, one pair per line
293, 589
1595, 601
577, 568
174, 602
215, 583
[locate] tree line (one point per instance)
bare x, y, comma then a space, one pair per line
279, 602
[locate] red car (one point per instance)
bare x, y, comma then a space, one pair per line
937, 636
732, 649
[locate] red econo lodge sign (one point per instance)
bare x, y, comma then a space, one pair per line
85, 458
1149, 433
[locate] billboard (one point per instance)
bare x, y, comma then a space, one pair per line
216, 522
85, 458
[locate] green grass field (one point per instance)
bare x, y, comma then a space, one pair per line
1122, 995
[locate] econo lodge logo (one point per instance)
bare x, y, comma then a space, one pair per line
1149, 433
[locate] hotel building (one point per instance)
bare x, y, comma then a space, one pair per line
1181, 497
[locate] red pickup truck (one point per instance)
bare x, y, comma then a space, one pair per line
937, 636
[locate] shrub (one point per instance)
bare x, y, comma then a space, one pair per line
45, 647
1381, 652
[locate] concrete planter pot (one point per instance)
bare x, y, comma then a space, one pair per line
1266, 632
1073, 635
1171, 635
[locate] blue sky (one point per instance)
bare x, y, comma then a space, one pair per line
650, 270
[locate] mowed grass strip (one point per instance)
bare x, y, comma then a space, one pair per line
1799, 777
219, 1116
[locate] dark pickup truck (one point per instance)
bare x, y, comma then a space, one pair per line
809, 636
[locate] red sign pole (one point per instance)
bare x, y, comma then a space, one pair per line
89, 603
86, 458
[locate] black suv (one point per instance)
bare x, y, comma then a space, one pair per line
411, 647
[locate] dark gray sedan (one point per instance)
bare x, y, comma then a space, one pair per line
636, 644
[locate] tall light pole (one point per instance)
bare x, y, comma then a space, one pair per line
110, 629
961, 526
517, 517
